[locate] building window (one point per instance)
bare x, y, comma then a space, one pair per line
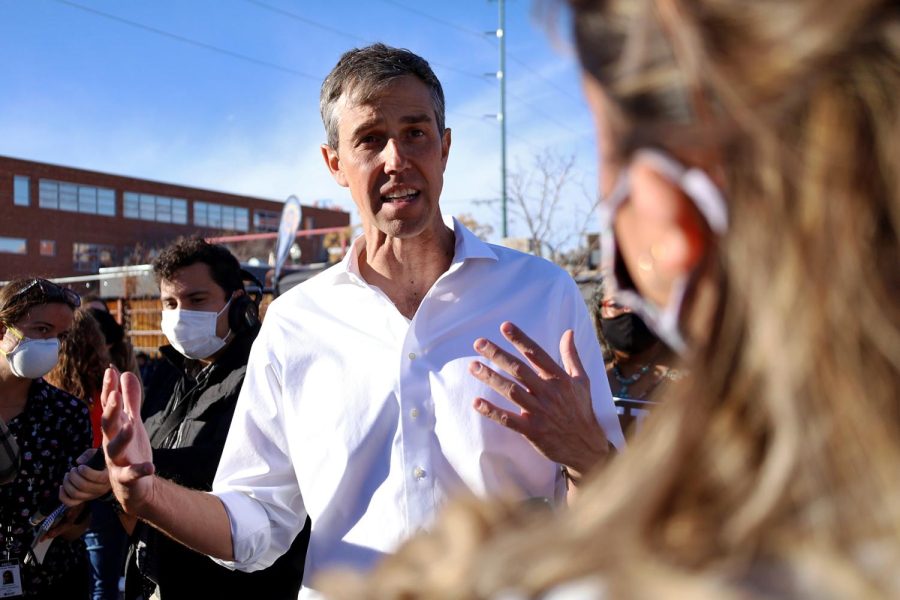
71, 197
266, 220
48, 194
221, 216
21, 190
87, 200
130, 205
179, 211
106, 202
148, 207
48, 248
11, 245
68, 197
90, 257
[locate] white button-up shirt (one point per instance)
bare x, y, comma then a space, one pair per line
362, 419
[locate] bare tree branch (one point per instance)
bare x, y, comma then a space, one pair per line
542, 194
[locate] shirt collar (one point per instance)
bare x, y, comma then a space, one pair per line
468, 246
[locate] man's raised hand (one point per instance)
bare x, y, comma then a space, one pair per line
129, 457
556, 414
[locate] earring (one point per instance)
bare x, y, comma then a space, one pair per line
646, 262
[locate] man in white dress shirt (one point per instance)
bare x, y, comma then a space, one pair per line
373, 393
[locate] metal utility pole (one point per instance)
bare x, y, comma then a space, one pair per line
501, 75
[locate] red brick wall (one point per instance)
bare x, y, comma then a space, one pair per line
66, 228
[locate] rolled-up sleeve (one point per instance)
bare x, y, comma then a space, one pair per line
256, 480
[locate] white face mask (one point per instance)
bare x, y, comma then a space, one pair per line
193, 332
31, 358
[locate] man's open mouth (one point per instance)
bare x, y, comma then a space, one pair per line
401, 195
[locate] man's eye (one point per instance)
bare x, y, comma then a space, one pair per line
416, 133
368, 140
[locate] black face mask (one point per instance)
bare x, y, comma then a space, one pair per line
627, 333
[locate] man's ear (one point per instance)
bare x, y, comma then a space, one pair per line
445, 146
334, 164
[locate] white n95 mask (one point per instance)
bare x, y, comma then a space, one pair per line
193, 332
31, 358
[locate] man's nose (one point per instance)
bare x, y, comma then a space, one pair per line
394, 156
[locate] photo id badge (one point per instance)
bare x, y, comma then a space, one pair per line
10, 579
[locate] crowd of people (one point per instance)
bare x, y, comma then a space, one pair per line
415, 423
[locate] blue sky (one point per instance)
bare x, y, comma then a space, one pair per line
223, 94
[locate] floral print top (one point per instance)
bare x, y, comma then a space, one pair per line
52, 431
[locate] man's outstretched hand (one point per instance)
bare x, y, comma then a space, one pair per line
129, 457
556, 414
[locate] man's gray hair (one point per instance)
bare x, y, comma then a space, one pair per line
363, 74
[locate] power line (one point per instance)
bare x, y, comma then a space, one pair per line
310, 22
556, 87
483, 35
469, 116
356, 38
190, 41
545, 115
485, 118
445, 202
525, 142
270, 65
423, 14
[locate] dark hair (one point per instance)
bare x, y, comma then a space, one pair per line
112, 331
20, 295
364, 73
83, 358
184, 252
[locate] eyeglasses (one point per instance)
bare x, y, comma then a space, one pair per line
611, 307
50, 292
696, 185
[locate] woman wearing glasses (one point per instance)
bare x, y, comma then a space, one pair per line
751, 160
639, 366
52, 429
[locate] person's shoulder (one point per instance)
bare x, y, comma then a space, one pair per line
309, 290
538, 266
60, 400
50, 391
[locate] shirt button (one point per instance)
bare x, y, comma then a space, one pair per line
419, 473
414, 413
412, 356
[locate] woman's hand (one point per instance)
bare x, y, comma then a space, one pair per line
70, 525
83, 483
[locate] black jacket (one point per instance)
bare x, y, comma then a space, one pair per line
187, 432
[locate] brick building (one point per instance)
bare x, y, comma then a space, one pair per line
60, 221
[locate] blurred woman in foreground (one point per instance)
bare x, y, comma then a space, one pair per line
752, 180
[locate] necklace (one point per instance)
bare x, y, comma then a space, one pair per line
633, 378
626, 382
